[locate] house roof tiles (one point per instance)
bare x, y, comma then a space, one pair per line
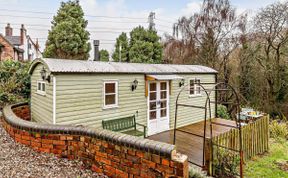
15, 40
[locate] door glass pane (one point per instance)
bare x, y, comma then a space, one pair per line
152, 86
163, 104
152, 115
163, 85
109, 87
152, 105
153, 96
163, 94
110, 99
163, 112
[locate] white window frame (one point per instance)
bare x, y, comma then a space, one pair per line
197, 87
116, 94
41, 91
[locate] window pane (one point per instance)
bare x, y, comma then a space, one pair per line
198, 90
152, 105
110, 99
152, 115
192, 85
192, 90
39, 86
43, 86
163, 86
163, 94
110, 87
152, 86
163, 112
153, 96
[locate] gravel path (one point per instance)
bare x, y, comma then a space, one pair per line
17, 160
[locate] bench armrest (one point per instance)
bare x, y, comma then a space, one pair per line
144, 126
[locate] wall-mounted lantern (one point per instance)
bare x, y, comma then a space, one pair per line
134, 85
181, 83
44, 75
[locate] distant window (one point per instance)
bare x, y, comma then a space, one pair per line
110, 94
29, 45
41, 87
195, 88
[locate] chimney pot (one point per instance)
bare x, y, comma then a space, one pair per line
22, 34
8, 30
96, 50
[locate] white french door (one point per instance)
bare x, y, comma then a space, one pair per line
158, 107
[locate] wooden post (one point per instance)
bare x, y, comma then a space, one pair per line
241, 164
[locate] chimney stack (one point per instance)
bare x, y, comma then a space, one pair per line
8, 30
96, 50
22, 34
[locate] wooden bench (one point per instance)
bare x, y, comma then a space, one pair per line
126, 125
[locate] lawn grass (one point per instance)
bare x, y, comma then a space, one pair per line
265, 165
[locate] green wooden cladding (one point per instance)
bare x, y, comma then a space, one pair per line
79, 99
125, 125
41, 105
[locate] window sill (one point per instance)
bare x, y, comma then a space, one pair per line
195, 96
40, 93
110, 107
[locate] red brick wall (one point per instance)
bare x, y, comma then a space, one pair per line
101, 156
7, 51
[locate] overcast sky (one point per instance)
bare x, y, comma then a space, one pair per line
102, 15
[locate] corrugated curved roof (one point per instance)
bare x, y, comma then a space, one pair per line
83, 66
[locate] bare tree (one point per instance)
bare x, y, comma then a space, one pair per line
213, 34
181, 47
271, 30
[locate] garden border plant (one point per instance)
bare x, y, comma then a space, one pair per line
14, 82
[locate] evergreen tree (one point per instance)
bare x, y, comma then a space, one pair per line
68, 38
122, 41
143, 47
104, 55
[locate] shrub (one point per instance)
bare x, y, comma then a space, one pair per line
222, 112
278, 130
226, 163
195, 174
14, 82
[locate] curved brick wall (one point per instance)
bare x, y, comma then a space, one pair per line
114, 154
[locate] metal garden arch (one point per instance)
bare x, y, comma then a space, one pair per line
208, 92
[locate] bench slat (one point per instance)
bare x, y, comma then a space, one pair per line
126, 125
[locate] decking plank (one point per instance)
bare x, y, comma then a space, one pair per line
192, 145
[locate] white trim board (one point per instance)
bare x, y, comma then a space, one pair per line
54, 100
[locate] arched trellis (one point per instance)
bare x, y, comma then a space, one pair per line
208, 92
194, 106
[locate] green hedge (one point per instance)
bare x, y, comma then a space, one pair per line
14, 82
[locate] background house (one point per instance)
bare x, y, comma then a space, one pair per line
20, 47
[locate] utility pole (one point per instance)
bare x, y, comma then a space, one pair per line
151, 22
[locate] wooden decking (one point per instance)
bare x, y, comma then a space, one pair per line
192, 144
